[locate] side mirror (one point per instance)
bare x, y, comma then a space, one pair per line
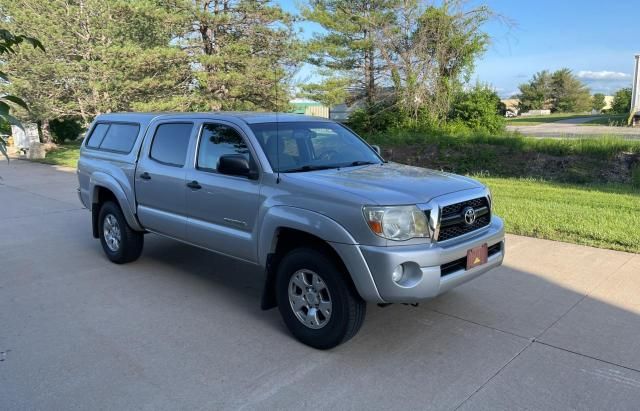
236, 165
377, 149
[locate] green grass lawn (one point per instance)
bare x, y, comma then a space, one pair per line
535, 120
616, 120
598, 216
65, 155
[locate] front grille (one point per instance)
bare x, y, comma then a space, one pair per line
453, 224
457, 207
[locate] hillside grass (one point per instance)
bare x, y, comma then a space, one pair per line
598, 216
601, 147
535, 120
614, 120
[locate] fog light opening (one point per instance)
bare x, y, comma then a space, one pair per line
407, 274
398, 274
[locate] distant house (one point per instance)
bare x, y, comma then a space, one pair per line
309, 107
511, 106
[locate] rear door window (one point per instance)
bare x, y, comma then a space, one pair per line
170, 143
119, 137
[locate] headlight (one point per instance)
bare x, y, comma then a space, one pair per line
397, 222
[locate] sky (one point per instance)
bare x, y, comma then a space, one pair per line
597, 39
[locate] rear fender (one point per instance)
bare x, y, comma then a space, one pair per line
101, 181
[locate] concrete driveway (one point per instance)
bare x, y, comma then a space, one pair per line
558, 327
574, 127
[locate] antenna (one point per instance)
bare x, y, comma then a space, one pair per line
275, 83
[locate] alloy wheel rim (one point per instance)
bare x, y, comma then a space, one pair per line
112, 234
310, 299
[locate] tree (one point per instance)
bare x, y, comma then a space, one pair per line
103, 55
430, 51
348, 47
404, 57
8, 44
598, 102
622, 101
536, 94
558, 91
331, 91
568, 93
244, 53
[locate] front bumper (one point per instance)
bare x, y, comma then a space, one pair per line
424, 263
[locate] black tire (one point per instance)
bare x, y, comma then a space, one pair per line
347, 307
131, 241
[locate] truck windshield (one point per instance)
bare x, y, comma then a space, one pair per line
312, 145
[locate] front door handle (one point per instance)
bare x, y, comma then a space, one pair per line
194, 185
145, 176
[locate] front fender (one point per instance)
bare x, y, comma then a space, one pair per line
101, 180
325, 228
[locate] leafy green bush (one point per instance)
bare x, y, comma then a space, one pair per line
622, 101
479, 109
68, 129
380, 118
598, 101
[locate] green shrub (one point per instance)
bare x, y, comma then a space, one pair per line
479, 109
622, 101
68, 129
378, 118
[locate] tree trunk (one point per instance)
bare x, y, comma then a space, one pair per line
44, 134
369, 77
39, 126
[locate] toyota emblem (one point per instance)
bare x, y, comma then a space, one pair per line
469, 215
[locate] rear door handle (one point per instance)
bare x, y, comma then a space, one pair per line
145, 176
194, 185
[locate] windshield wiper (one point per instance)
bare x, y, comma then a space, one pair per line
362, 163
308, 168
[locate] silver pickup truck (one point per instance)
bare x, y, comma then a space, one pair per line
308, 202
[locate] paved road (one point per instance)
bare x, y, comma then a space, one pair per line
574, 127
557, 327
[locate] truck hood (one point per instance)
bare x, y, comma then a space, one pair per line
387, 184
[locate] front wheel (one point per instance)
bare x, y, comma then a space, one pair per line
317, 301
120, 242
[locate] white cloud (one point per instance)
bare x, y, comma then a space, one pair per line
603, 75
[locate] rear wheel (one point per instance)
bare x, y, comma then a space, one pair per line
317, 301
120, 242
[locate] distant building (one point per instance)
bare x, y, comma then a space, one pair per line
543, 112
608, 102
340, 112
511, 104
309, 107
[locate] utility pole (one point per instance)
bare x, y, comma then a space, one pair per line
634, 115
